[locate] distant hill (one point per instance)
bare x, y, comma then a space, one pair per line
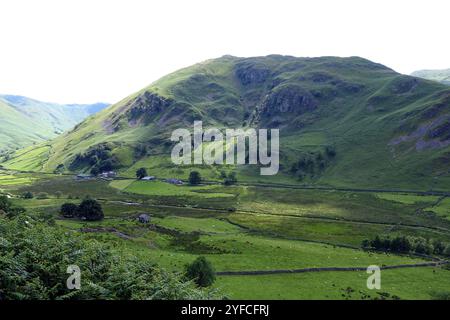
25, 121
442, 76
346, 122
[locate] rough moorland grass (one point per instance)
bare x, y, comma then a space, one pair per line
338, 205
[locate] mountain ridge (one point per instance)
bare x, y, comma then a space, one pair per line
385, 128
26, 121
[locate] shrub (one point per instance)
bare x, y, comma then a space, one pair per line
406, 244
141, 173
90, 210
439, 247
231, 179
422, 246
5, 204
195, 178
28, 195
201, 271
45, 253
441, 295
447, 251
42, 195
95, 171
330, 151
8, 209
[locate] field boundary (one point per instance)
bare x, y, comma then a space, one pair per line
326, 269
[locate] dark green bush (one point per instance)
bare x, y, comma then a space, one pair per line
68, 210
201, 272
195, 178
90, 210
141, 173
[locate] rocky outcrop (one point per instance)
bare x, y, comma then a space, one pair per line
290, 99
144, 107
251, 73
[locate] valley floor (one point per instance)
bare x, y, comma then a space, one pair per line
251, 228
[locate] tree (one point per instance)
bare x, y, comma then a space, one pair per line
141, 173
7, 208
5, 204
195, 178
68, 210
447, 251
330, 151
58, 194
231, 179
28, 195
90, 210
95, 171
201, 271
223, 174
439, 247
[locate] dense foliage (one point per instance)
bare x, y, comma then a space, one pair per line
231, 179
99, 158
89, 209
195, 178
201, 271
34, 258
313, 163
141, 173
68, 210
7, 209
405, 244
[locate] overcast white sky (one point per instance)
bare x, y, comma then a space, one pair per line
103, 50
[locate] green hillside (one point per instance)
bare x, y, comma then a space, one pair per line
436, 75
25, 121
344, 122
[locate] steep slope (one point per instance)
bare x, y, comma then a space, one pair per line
343, 122
25, 121
442, 76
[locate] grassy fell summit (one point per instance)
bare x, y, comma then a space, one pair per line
344, 122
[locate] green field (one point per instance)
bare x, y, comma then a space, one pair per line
276, 229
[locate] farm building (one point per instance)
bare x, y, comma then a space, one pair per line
108, 174
174, 181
